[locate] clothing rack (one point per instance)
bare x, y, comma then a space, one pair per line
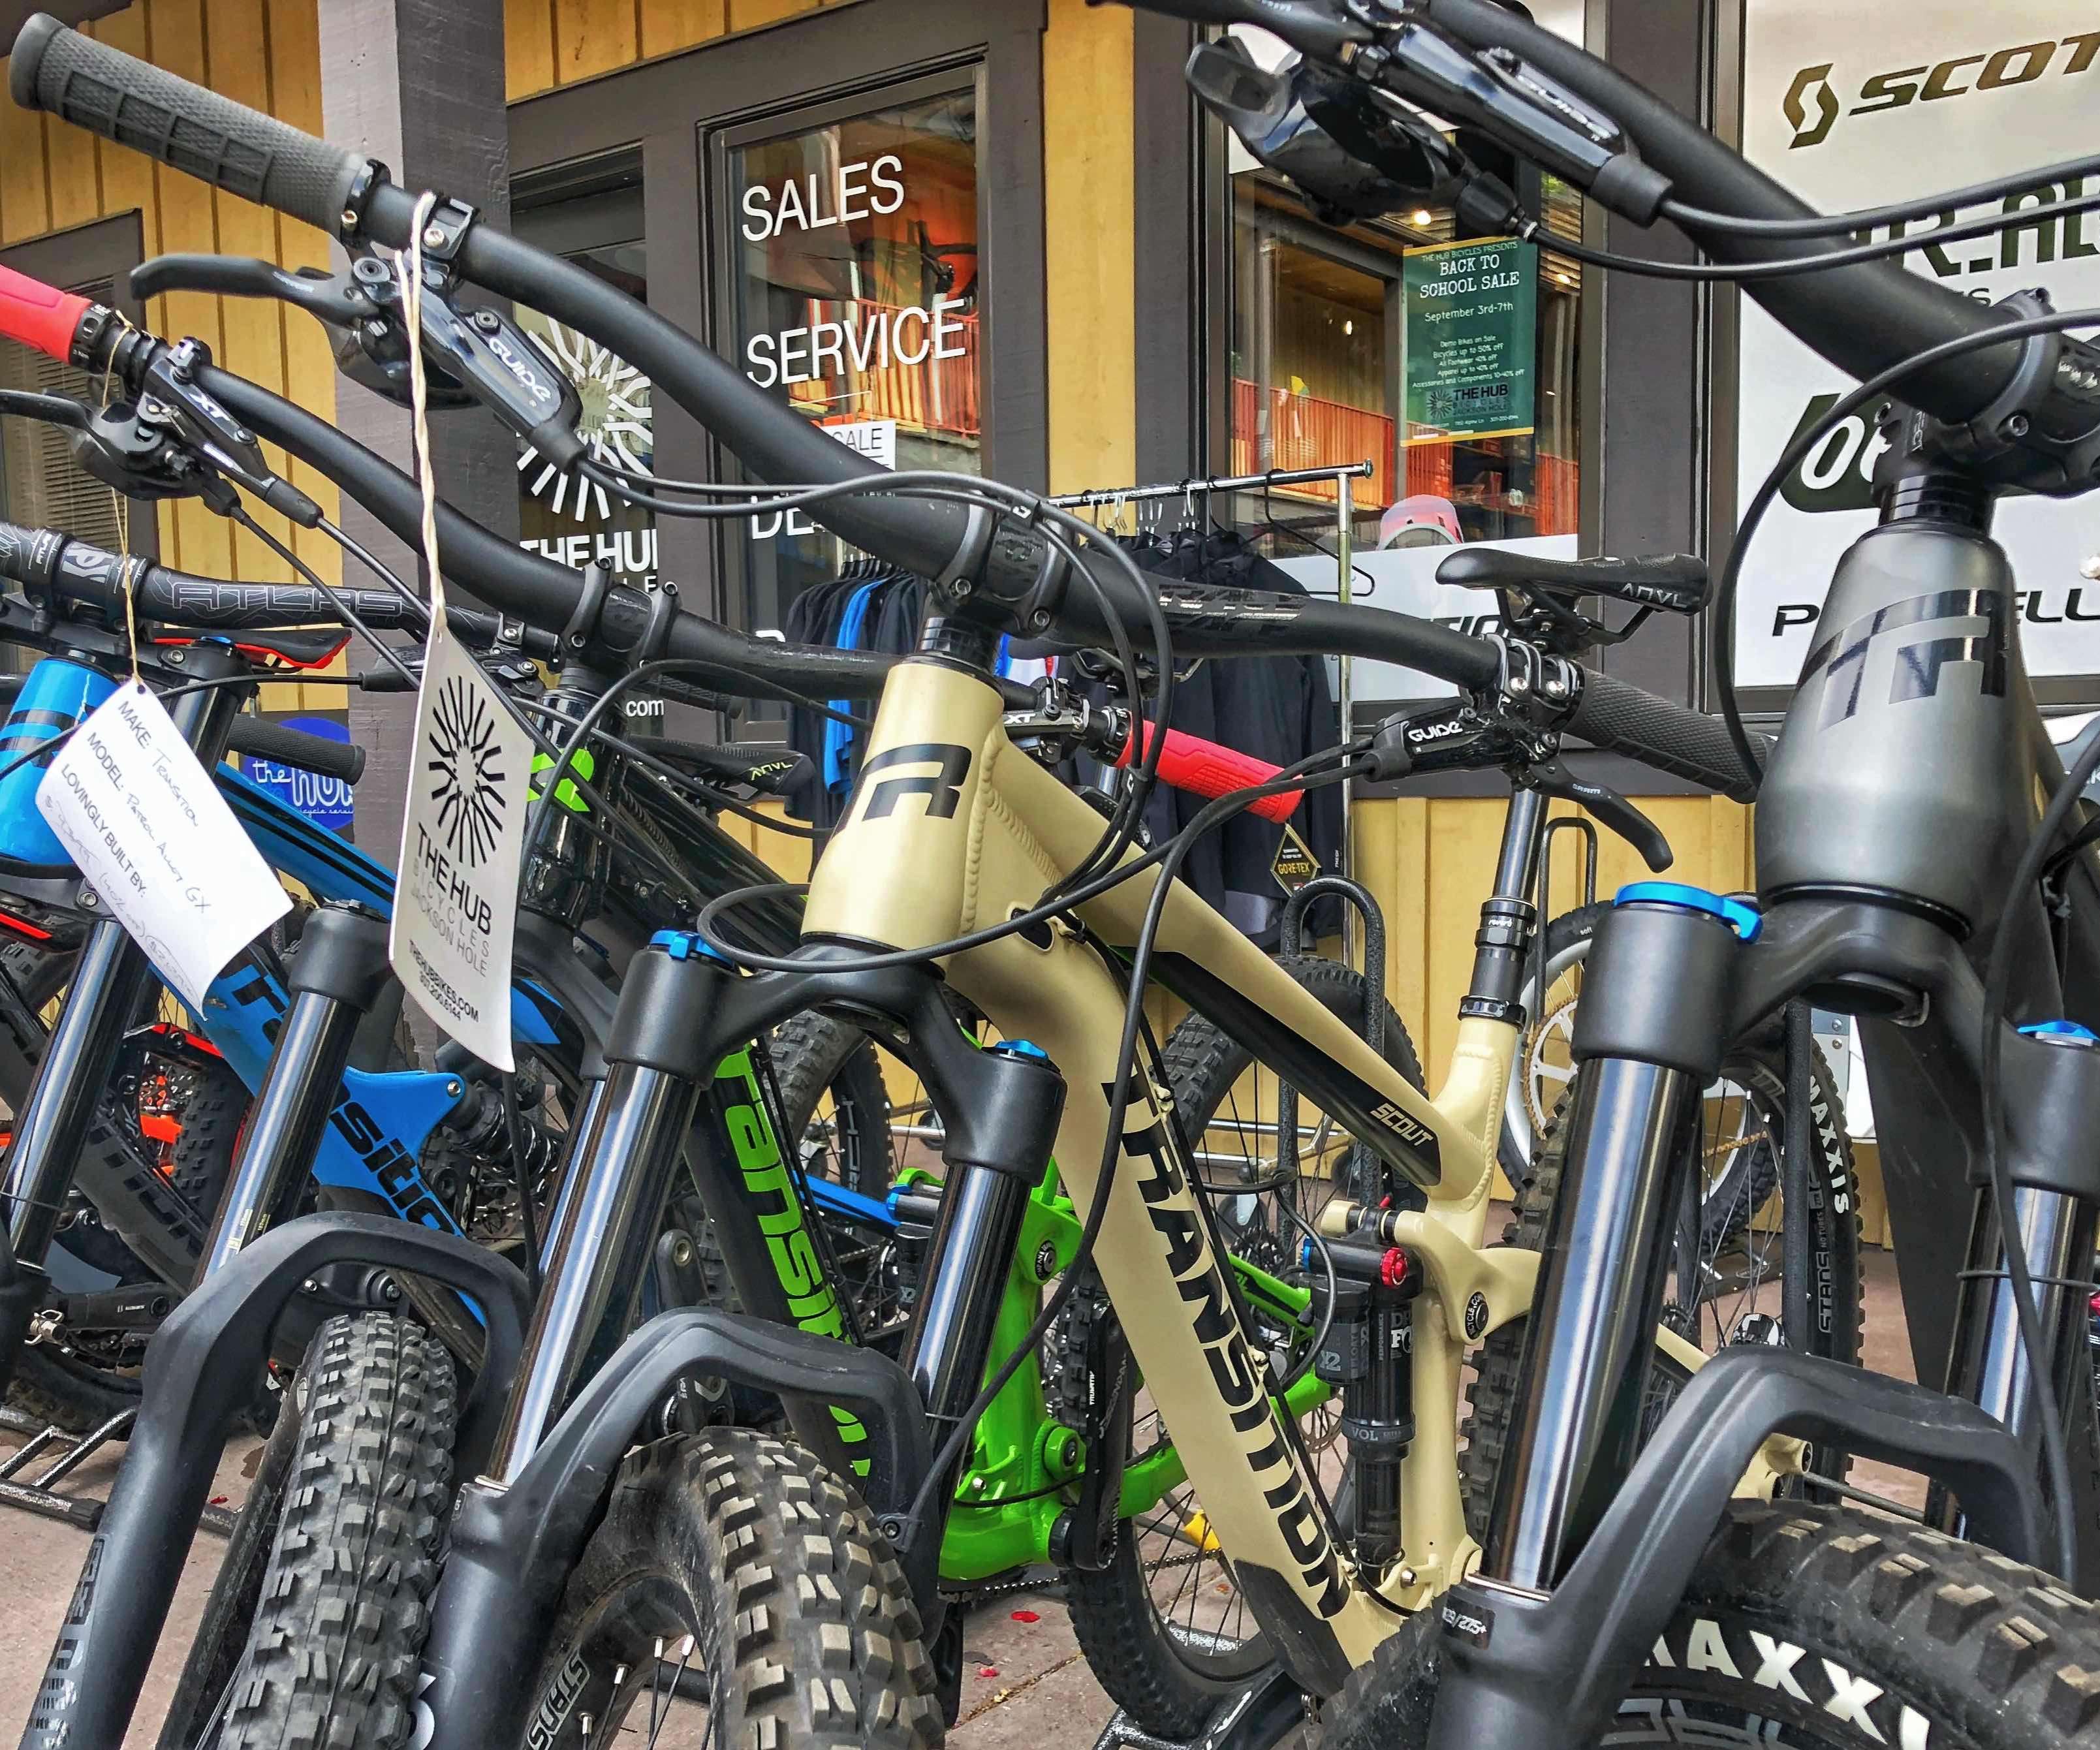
1341, 475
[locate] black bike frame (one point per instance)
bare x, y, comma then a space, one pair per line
1902, 792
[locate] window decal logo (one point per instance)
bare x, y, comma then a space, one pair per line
1815, 79
618, 423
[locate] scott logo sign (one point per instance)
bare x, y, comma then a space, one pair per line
1812, 106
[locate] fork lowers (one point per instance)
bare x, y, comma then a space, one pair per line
1649, 1035
1369, 1353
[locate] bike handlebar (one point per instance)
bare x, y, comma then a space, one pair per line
1624, 718
77, 571
164, 117
38, 316
1208, 769
193, 130
1862, 318
282, 746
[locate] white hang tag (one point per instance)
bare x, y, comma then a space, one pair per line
462, 841
145, 823
463, 837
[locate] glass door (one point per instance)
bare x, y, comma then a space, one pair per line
851, 289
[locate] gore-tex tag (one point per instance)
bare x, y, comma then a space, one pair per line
461, 843
146, 823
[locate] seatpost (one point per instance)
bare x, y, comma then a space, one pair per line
1649, 1035
1508, 917
337, 976
80, 1061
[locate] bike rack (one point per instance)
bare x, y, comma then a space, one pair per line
1257, 1717
39, 1494
1291, 940
199, 1374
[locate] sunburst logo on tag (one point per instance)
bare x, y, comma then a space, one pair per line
467, 774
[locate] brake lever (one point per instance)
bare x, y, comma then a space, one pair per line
313, 289
1610, 808
52, 410
151, 449
482, 359
171, 403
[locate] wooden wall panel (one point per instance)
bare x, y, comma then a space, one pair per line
669, 25
264, 53
593, 37
1089, 212
554, 42
25, 193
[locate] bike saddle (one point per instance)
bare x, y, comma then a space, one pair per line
773, 771
1677, 581
301, 649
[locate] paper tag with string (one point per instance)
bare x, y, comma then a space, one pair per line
145, 823
463, 836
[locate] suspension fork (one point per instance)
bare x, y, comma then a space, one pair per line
341, 971
2049, 1083
1989, 1364
998, 1163
1648, 1037
110, 980
626, 1150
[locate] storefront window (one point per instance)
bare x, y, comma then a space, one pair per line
1450, 363
855, 291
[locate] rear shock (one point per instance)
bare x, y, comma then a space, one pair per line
1368, 1353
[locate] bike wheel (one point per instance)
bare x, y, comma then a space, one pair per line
1744, 1120
79, 1376
836, 1100
739, 1556
1820, 1628
1715, 1302
338, 1614
1164, 1626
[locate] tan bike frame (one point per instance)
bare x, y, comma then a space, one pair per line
953, 828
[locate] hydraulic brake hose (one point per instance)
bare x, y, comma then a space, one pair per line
532, 587
1862, 318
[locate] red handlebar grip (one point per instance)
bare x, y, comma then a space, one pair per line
1203, 768
39, 315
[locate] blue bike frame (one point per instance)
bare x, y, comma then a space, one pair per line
377, 1133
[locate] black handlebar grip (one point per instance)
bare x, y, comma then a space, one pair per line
289, 747
152, 111
1672, 738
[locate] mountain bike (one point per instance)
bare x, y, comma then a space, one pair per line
953, 839
996, 1544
